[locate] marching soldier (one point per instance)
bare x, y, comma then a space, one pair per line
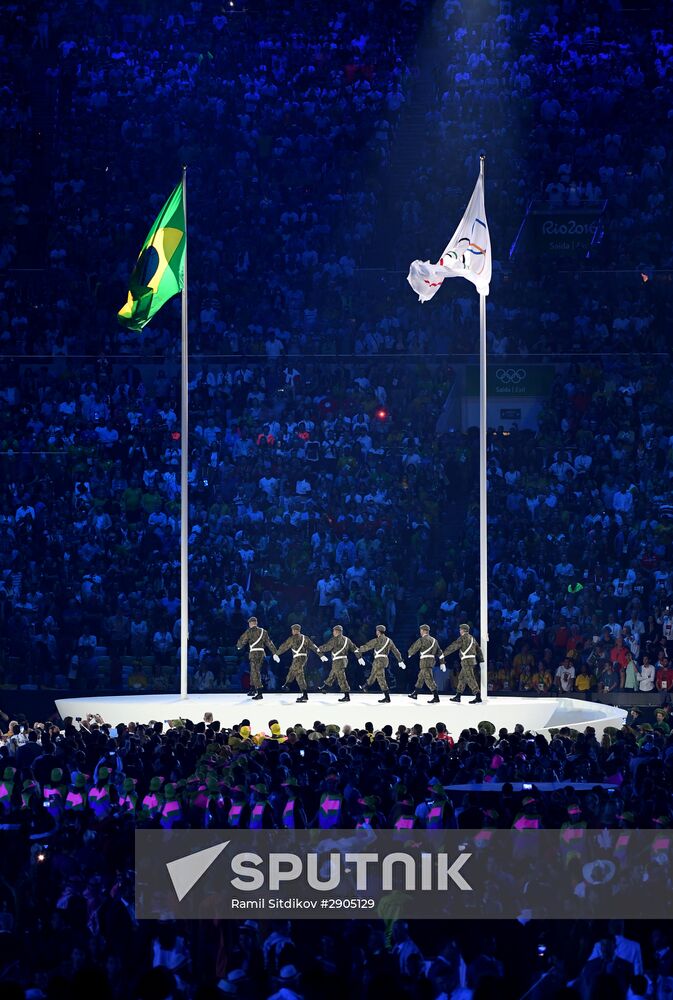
339, 646
470, 652
383, 646
429, 650
257, 640
300, 646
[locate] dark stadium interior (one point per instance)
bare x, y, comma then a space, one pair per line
333, 465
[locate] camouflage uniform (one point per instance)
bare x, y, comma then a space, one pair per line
339, 646
257, 640
470, 652
383, 647
300, 646
429, 649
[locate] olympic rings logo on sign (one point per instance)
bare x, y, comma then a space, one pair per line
510, 376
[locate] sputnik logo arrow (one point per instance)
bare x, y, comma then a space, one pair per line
186, 872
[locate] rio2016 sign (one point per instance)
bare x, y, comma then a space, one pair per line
563, 232
570, 228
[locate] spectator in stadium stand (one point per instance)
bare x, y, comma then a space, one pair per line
608, 678
583, 680
629, 676
664, 677
565, 676
619, 654
646, 676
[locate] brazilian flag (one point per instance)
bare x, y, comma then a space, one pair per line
159, 271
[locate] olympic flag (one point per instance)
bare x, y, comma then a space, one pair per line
467, 254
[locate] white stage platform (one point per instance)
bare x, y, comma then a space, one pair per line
536, 714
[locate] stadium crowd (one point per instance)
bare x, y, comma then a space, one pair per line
295, 494
72, 793
296, 143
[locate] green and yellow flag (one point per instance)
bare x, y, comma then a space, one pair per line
159, 271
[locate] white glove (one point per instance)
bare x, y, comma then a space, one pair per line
402, 665
276, 657
442, 667
361, 661
324, 659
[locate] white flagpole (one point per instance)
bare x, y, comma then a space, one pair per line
184, 470
483, 494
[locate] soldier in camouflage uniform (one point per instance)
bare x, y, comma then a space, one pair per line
257, 640
429, 649
383, 647
339, 646
470, 653
300, 646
